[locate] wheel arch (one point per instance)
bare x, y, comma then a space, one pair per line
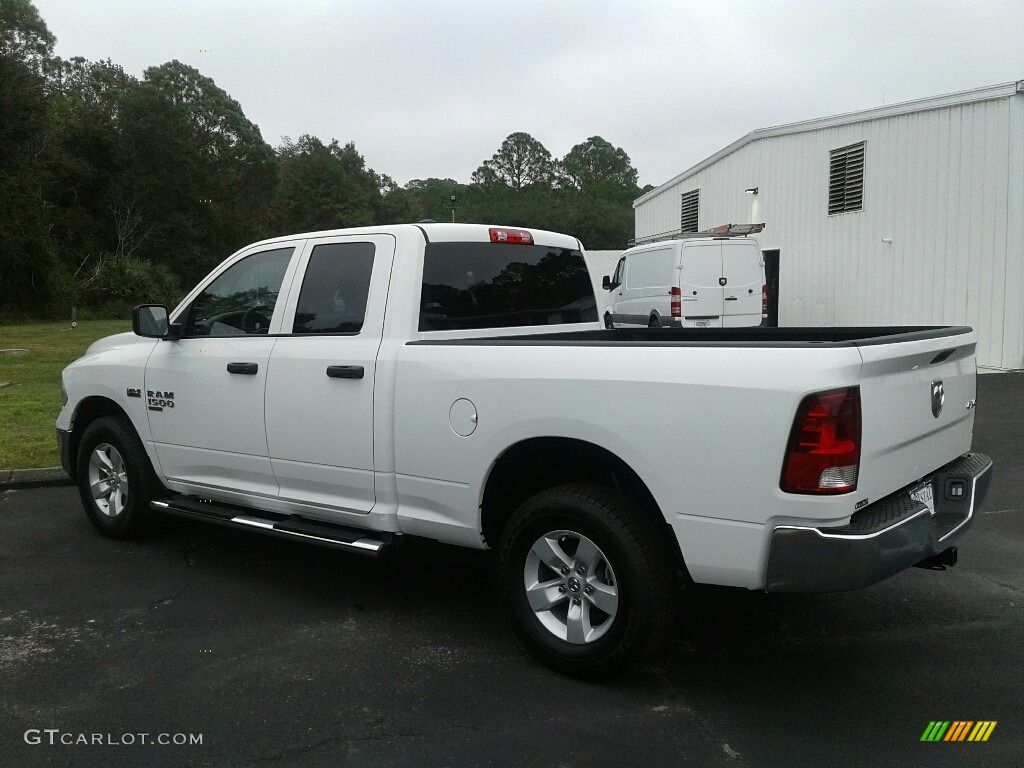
537, 464
86, 412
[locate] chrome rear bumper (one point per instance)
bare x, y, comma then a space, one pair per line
882, 539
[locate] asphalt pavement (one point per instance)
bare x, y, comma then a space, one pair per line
272, 653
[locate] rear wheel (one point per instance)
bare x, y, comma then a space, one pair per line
608, 321
589, 579
654, 322
115, 479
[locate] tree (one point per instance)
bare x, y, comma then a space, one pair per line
432, 199
28, 267
596, 162
323, 186
24, 35
222, 195
521, 162
221, 127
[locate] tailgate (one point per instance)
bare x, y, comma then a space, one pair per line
917, 400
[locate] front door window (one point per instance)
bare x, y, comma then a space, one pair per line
241, 300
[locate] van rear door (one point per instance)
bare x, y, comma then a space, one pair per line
700, 272
744, 276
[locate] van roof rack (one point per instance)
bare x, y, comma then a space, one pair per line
726, 230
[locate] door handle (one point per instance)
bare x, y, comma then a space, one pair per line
247, 369
345, 371
731, 298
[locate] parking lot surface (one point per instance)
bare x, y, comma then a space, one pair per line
277, 654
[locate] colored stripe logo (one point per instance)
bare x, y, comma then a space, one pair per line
958, 730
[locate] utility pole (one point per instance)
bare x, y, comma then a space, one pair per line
451, 203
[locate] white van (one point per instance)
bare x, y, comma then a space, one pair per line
702, 282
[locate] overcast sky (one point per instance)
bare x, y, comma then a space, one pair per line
432, 88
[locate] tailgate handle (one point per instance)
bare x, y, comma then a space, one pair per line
345, 371
248, 369
944, 355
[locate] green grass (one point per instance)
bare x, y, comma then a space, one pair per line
29, 406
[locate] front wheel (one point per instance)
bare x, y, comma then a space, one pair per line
115, 479
589, 579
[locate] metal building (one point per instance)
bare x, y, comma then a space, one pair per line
908, 214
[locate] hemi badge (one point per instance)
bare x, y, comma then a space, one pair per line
132, 392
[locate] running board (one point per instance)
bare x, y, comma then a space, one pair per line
293, 527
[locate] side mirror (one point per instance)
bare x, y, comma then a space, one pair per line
606, 283
151, 321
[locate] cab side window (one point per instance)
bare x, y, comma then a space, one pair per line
335, 289
241, 300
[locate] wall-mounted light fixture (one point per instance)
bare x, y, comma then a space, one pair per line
751, 191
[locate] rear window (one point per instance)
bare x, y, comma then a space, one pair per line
498, 285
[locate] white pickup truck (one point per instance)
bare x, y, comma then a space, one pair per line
353, 387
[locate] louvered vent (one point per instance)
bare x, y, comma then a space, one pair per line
846, 179
688, 215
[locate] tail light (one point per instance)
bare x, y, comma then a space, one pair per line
823, 455
676, 302
505, 235
764, 300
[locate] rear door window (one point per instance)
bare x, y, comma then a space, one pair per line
335, 289
741, 263
501, 285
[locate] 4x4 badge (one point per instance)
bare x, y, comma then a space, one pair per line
938, 397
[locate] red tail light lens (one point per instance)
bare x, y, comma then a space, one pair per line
517, 236
823, 455
764, 300
676, 302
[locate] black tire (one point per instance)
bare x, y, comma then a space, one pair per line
121, 509
654, 322
608, 322
637, 561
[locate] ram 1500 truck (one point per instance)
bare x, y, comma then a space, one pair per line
353, 387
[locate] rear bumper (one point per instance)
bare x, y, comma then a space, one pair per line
882, 539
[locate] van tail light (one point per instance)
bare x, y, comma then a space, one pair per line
764, 301
516, 236
823, 454
676, 302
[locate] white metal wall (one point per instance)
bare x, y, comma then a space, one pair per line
940, 239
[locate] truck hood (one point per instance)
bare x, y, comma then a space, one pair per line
117, 341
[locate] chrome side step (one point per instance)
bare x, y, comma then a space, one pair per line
292, 527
